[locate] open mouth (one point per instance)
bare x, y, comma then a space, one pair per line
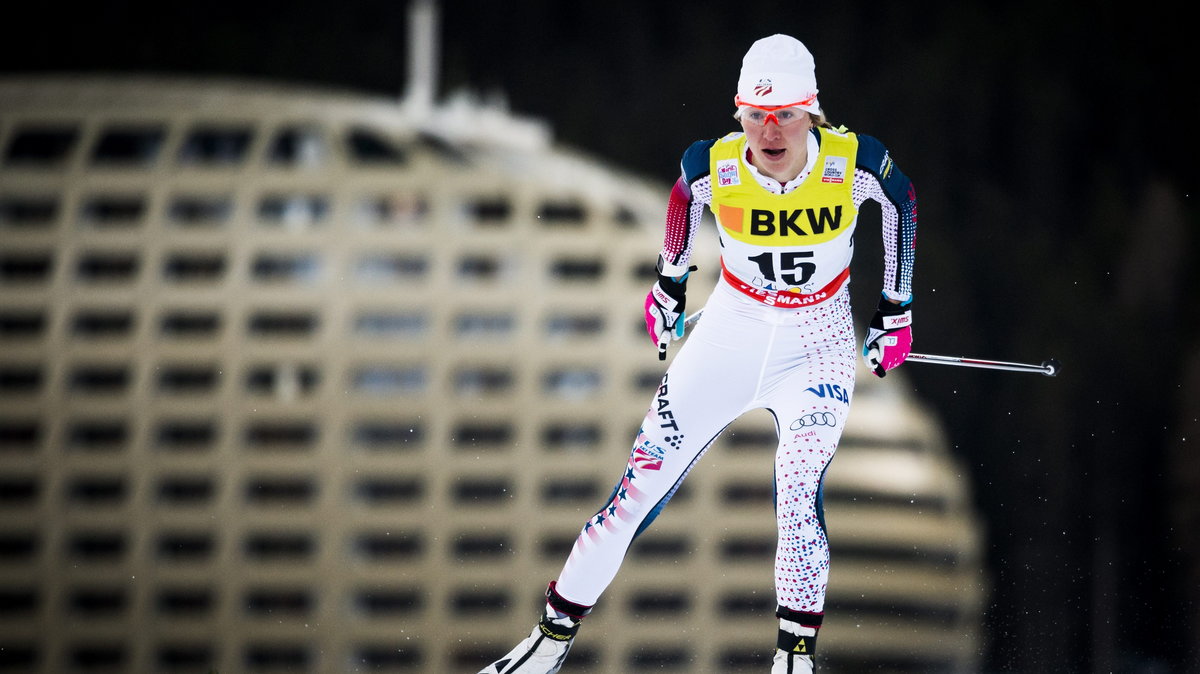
774, 153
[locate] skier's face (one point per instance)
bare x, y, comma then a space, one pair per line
778, 150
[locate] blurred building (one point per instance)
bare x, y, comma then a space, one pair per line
295, 381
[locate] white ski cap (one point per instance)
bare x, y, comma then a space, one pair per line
778, 70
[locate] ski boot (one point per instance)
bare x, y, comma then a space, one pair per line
796, 642
546, 647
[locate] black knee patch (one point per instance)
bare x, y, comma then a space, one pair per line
796, 644
793, 643
804, 618
563, 606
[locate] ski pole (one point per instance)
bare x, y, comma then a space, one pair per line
1050, 367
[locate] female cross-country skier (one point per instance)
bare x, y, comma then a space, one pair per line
776, 333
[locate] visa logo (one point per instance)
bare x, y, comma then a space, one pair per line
834, 391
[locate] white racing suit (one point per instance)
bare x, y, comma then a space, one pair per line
778, 337
797, 363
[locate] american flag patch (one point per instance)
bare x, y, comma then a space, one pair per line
645, 461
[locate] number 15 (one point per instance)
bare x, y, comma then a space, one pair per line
788, 262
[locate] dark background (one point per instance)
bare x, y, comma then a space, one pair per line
1051, 149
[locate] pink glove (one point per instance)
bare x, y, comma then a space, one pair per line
664, 310
889, 337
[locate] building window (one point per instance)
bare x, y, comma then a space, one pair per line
388, 546
215, 146
112, 211
107, 267
489, 211
385, 657
20, 379
645, 380
572, 383
382, 268
18, 324
483, 381
294, 268
277, 657
128, 146
482, 491
475, 269
659, 602
176, 657
475, 434
484, 325
93, 603
185, 546
100, 379
293, 211
279, 602
96, 546
24, 435
199, 210
17, 267
279, 547
577, 269
571, 490
391, 211
383, 492
560, 214
300, 146
193, 323
19, 491
194, 267
283, 324
571, 437
282, 434
364, 146
480, 600
185, 435
281, 491
386, 602
41, 146
100, 435
747, 494
644, 273
625, 218
390, 380
184, 602
96, 491
284, 381
391, 324
388, 435
102, 324
23, 212
567, 326
478, 547
188, 379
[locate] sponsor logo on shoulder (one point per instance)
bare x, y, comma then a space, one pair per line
727, 173
885, 167
834, 171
